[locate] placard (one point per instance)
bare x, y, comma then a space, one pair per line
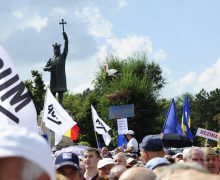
122, 125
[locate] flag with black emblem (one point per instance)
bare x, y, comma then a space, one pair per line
100, 126
55, 117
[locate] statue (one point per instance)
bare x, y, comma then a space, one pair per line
56, 66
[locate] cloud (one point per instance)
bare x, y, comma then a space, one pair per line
122, 3
37, 23
98, 26
193, 82
59, 11
159, 55
124, 47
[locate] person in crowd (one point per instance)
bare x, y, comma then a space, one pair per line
118, 150
211, 160
116, 172
24, 155
104, 166
61, 177
67, 164
131, 162
151, 147
177, 157
105, 153
157, 162
137, 173
188, 170
120, 159
194, 154
170, 158
91, 159
132, 146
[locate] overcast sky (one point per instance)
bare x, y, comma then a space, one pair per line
182, 36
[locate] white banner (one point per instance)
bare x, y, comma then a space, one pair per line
16, 106
122, 125
55, 117
207, 134
100, 127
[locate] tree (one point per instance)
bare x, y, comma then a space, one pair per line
139, 83
36, 89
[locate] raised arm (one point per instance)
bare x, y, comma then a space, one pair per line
66, 42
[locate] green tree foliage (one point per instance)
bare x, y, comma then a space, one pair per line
204, 108
138, 82
36, 89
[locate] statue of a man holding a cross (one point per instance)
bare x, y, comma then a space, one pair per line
56, 66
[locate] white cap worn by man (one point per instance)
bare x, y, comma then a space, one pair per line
24, 155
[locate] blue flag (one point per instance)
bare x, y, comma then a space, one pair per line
122, 140
186, 121
172, 125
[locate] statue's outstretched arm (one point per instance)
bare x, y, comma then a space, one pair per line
66, 42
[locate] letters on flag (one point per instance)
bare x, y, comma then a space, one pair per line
55, 117
16, 106
100, 127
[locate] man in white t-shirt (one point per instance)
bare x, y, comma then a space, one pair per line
132, 146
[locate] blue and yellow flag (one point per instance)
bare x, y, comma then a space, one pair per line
186, 121
172, 125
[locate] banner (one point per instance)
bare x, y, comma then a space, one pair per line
16, 106
123, 111
122, 125
207, 134
55, 117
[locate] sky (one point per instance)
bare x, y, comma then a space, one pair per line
183, 37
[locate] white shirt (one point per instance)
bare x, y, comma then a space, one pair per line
133, 143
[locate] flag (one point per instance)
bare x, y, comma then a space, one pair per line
99, 143
122, 141
100, 127
55, 117
186, 121
16, 105
73, 132
172, 125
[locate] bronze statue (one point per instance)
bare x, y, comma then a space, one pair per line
56, 66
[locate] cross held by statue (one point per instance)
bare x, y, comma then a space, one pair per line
62, 23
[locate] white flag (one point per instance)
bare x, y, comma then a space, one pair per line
16, 106
100, 127
57, 138
55, 117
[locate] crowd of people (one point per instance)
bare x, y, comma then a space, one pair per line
25, 156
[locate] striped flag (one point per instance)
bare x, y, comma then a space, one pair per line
73, 132
186, 121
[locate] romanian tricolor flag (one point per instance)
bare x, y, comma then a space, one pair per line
186, 121
73, 132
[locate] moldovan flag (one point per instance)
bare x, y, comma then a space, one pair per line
100, 127
73, 133
16, 105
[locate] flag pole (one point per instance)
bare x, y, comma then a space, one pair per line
96, 139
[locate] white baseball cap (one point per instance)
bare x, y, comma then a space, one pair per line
131, 132
17, 141
105, 161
